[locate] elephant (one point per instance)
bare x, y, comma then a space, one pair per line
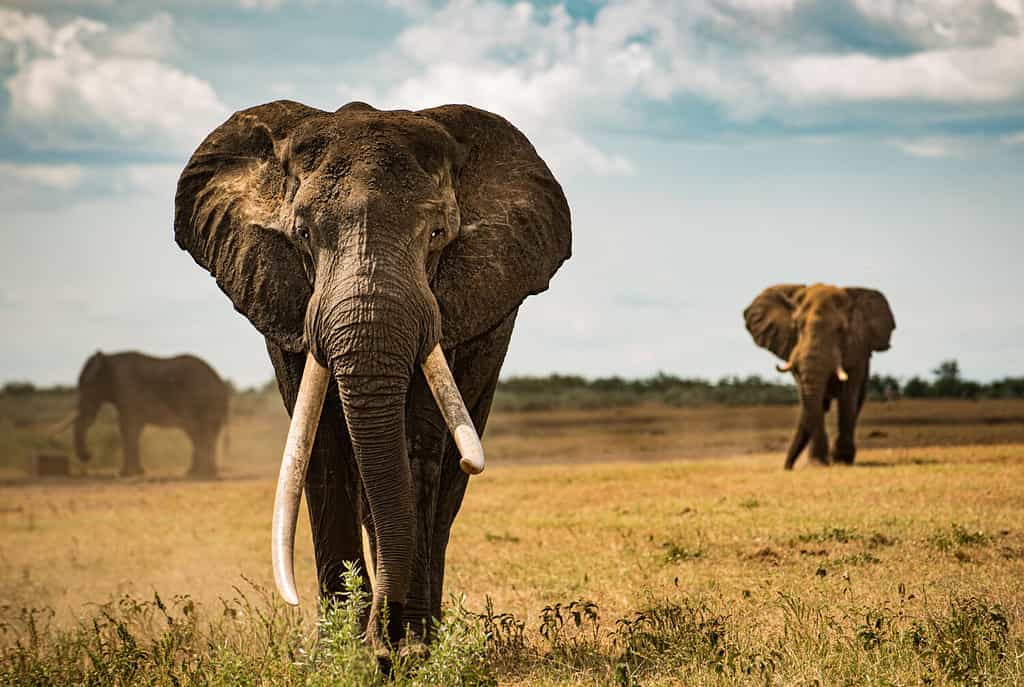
383, 255
182, 391
826, 334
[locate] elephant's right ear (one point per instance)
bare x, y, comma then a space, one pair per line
227, 212
769, 319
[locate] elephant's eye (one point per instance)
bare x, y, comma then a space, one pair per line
303, 234
436, 232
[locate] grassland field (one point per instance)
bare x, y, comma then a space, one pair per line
705, 562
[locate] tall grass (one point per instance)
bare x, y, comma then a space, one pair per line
253, 640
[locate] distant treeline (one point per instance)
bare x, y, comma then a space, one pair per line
947, 382
567, 391
563, 391
571, 391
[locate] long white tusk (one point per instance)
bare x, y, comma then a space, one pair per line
841, 373
292, 478
785, 368
453, 408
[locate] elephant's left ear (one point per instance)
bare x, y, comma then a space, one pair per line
516, 229
873, 316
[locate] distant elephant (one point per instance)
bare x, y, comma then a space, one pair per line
826, 335
371, 249
182, 391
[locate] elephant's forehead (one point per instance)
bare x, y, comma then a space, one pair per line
371, 138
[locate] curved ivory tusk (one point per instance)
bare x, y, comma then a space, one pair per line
785, 368
841, 373
453, 408
292, 478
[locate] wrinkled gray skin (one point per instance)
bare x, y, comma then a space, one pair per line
816, 328
366, 237
182, 391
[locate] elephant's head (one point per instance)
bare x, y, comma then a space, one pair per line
366, 238
821, 331
94, 389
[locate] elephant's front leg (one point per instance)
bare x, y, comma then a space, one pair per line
476, 366
131, 432
332, 485
426, 447
819, 446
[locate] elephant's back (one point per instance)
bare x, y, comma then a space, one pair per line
206, 384
184, 384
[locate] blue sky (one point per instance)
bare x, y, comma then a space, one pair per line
707, 149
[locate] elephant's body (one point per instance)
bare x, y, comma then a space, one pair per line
334, 496
825, 334
182, 391
358, 242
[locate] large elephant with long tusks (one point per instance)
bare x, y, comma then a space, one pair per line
383, 255
826, 335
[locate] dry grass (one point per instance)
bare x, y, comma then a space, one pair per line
932, 519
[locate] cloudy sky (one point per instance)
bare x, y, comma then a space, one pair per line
707, 148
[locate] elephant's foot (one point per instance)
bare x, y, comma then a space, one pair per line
844, 453
204, 472
818, 461
131, 471
413, 649
384, 637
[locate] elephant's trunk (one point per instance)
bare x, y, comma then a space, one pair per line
811, 417
371, 344
811, 382
83, 421
374, 410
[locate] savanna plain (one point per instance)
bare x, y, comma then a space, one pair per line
645, 545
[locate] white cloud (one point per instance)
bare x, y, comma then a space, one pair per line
264, 5
549, 74
560, 79
82, 86
943, 23
152, 38
62, 177
935, 146
976, 75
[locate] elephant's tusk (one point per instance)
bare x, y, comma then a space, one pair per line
841, 373
453, 408
785, 368
292, 478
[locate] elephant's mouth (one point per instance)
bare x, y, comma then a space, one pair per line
791, 364
299, 444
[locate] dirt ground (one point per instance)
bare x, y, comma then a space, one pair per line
607, 505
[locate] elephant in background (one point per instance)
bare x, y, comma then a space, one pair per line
826, 334
373, 249
182, 391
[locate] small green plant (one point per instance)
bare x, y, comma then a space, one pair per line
968, 642
674, 553
503, 538
750, 503
841, 535
459, 655
878, 539
958, 536
862, 558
